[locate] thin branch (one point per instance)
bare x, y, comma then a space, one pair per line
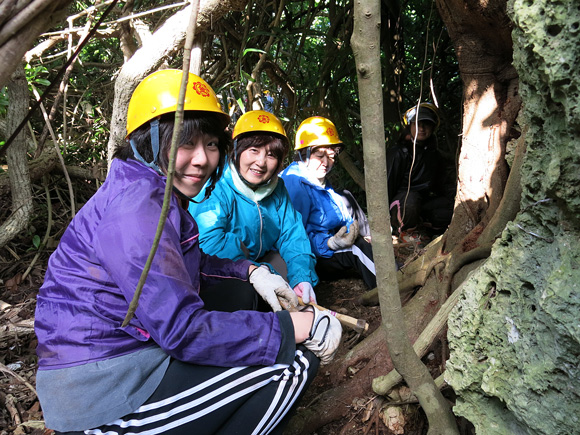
172, 155
120, 20
253, 86
60, 158
48, 228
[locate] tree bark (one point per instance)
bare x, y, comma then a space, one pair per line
365, 45
36, 168
16, 157
481, 33
20, 24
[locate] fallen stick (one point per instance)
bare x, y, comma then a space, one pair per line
359, 325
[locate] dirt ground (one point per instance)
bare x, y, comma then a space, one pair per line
20, 411
372, 414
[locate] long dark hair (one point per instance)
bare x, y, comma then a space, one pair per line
195, 124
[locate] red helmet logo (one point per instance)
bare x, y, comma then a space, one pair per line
330, 131
201, 89
264, 119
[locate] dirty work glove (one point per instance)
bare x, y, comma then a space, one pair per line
273, 289
324, 335
305, 291
342, 239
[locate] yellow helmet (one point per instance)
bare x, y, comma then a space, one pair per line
427, 112
258, 120
316, 131
157, 95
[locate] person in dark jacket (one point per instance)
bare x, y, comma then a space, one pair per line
338, 239
416, 176
181, 365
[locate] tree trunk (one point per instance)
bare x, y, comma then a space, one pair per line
365, 45
20, 24
16, 157
491, 105
481, 33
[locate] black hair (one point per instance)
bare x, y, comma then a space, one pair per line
278, 145
195, 123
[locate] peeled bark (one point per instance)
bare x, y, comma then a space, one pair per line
20, 24
481, 33
16, 157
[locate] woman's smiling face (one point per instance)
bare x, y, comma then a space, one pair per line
257, 165
194, 164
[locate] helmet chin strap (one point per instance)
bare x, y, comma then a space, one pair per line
307, 156
154, 133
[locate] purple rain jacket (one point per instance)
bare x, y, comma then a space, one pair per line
93, 274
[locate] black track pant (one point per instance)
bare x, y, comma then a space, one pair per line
198, 400
358, 257
408, 210
214, 400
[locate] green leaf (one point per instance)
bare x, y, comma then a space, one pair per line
257, 50
36, 241
241, 104
247, 76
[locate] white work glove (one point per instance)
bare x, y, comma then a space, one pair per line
305, 291
342, 239
273, 289
324, 335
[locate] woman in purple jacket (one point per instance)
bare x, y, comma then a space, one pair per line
180, 366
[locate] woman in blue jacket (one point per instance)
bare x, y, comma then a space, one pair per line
179, 366
338, 239
249, 213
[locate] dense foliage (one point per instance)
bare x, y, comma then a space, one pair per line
309, 68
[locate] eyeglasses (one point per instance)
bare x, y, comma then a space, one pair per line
330, 153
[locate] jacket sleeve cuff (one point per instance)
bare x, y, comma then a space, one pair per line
287, 341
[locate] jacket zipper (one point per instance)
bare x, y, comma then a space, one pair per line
261, 228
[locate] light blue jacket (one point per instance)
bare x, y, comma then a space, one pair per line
262, 220
323, 212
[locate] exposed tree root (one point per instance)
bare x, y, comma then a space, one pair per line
37, 168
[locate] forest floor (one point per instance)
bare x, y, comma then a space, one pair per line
374, 414
20, 411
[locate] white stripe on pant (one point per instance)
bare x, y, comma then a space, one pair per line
243, 400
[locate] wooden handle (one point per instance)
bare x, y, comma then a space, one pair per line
359, 325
